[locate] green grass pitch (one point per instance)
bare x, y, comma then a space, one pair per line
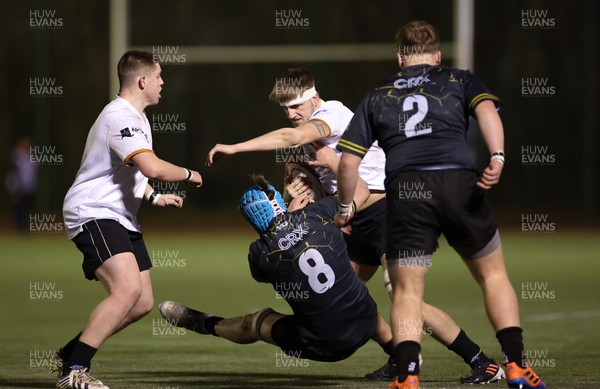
45, 301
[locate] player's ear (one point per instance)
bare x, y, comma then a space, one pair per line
315, 101
438, 57
142, 82
399, 59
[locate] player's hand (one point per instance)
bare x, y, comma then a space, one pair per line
196, 179
172, 200
342, 221
347, 229
325, 156
300, 202
218, 152
491, 175
300, 186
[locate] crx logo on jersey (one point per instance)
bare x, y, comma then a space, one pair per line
293, 237
411, 82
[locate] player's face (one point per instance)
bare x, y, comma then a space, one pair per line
300, 113
154, 83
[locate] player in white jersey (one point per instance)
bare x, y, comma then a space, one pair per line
100, 214
323, 123
314, 121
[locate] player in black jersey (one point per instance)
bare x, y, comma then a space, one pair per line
303, 255
420, 118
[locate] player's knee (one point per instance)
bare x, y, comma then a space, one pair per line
257, 322
128, 294
144, 307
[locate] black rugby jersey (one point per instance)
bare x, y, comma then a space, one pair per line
420, 118
304, 257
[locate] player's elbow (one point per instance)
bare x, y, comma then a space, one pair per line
150, 166
151, 172
349, 163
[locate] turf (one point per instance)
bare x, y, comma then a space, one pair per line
210, 272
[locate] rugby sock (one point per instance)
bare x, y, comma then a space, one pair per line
468, 350
407, 357
82, 356
67, 350
388, 347
209, 324
511, 341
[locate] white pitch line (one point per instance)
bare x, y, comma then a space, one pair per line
563, 315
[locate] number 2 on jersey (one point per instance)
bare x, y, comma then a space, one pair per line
412, 126
313, 271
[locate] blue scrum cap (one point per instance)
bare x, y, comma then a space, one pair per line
258, 209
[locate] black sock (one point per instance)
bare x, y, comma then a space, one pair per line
209, 324
388, 347
511, 341
465, 348
82, 356
68, 348
407, 358
481, 356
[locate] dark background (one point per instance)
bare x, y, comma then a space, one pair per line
227, 103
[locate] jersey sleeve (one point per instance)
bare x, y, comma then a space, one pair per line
476, 92
127, 138
254, 260
358, 137
331, 118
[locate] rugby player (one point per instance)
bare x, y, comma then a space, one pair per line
100, 214
420, 117
334, 314
315, 121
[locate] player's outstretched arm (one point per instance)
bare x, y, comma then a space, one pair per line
493, 135
157, 169
284, 137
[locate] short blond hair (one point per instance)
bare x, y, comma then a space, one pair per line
417, 37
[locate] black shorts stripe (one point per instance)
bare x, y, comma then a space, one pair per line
103, 239
96, 236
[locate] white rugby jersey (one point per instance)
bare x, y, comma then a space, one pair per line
108, 185
337, 116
